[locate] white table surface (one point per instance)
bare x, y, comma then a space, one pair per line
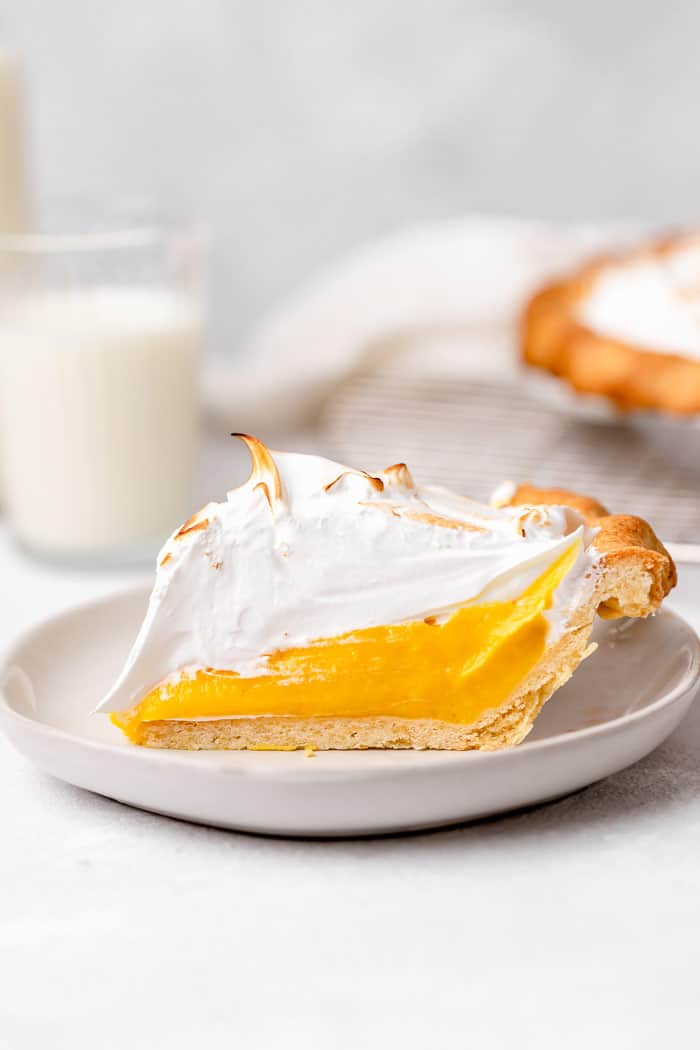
572, 925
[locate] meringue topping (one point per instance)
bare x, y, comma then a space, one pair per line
238, 585
652, 301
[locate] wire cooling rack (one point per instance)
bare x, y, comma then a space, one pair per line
469, 434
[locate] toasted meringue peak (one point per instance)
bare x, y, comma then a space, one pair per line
376, 483
262, 487
399, 477
193, 524
426, 516
237, 583
265, 474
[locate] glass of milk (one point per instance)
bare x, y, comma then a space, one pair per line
100, 334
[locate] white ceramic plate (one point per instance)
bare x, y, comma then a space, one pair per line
621, 704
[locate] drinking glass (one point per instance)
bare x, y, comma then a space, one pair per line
101, 323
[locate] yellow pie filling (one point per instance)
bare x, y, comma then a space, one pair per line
454, 671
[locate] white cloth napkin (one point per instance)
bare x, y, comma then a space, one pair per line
435, 289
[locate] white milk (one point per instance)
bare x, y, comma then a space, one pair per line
13, 203
98, 417
13, 189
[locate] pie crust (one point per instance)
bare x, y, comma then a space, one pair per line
553, 338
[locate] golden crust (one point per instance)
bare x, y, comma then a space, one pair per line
637, 570
553, 339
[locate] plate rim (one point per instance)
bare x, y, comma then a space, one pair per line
174, 756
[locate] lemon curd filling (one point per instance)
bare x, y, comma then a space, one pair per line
454, 670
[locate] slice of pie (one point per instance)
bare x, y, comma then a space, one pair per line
625, 326
325, 607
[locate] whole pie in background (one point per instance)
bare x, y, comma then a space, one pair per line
625, 326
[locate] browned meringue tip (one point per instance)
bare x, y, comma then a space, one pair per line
265, 491
193, 524
375, 482
425, 517
400, 477
534, 515
264, 474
